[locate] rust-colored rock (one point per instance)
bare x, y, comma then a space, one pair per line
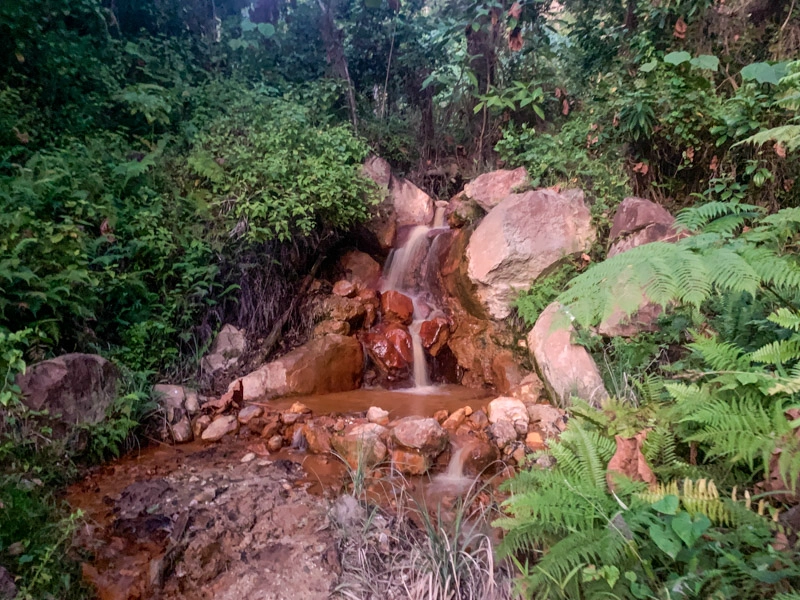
529, 390
348, 310
332, 363
411, 204
489, 189
425, 435
566, 368
506, 371
361, 268
317, 437
461, 211
434, 334
397, 307
361, 444
477, 455
324, 328
345, 288
410, 462
534, 441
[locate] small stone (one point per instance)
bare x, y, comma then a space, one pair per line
378, 415
479, 419
249, 412
534, 441
317, 437
207, 495
508, 409
192, 402
410, 462
518, 454
220, 427
249, 457
275, 443
454, 421
182, 431
440, 416
200, 424
503, 433
299, 408
339, 425
290, 418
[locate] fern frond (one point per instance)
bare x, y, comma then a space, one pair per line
778, 352
700, 216
786, 135
788, 319
721, 356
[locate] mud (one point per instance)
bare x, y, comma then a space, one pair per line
205, 525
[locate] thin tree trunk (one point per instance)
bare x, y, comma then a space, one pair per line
332, 37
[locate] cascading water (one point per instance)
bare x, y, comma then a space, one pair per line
405, 273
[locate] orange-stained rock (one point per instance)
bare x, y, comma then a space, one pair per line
477, 454
534, 441
361, 268
434, 334
423, 434
349, 310
400, 338
317, 437
361, 444
397, 307
462, 211
332, 363
441, 415
506, 371
323, 328
529, 390
410, 462
345, 288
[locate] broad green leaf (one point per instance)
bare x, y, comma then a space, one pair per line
761, 72
668, 505
266, 29
648, 66
665, 540
705, 62
690, 530
677, 58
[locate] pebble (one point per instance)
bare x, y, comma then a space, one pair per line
249, 457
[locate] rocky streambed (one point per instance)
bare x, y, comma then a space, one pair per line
242, 516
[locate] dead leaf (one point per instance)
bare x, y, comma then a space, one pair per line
690, 154
515, 41
642, 168
20, 57
558, 92
515, 11
714, 163
564, 107
586, 258
788, 184
780, 149
629, 460
680, 29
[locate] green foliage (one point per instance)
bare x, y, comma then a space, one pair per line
532, 302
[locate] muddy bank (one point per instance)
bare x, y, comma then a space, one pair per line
197, 522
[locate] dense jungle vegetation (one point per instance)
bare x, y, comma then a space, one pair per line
165, 164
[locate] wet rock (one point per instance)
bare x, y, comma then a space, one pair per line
479, 420
75, 389
250, 412
378, 415
503, 433
410, 462
227, 348
400, 338
220, 427
477, 455
200, 424
326, 327
461, 211
411, 204
290, 418
441, 415
456, 420
317, 437
332, 363
389, 348
639, 221
361, 269
182, 430
434, 334
299, 408
511, 410
566, 368
361, 444
506, 371
271, 427
397, 307
520, 239
489, 189
344, 288
549, 419
275, 443
425, 435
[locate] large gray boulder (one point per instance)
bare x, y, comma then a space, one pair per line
74, 389
522, 238
229, 345
567, 369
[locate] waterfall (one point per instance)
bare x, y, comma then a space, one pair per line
406, 273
